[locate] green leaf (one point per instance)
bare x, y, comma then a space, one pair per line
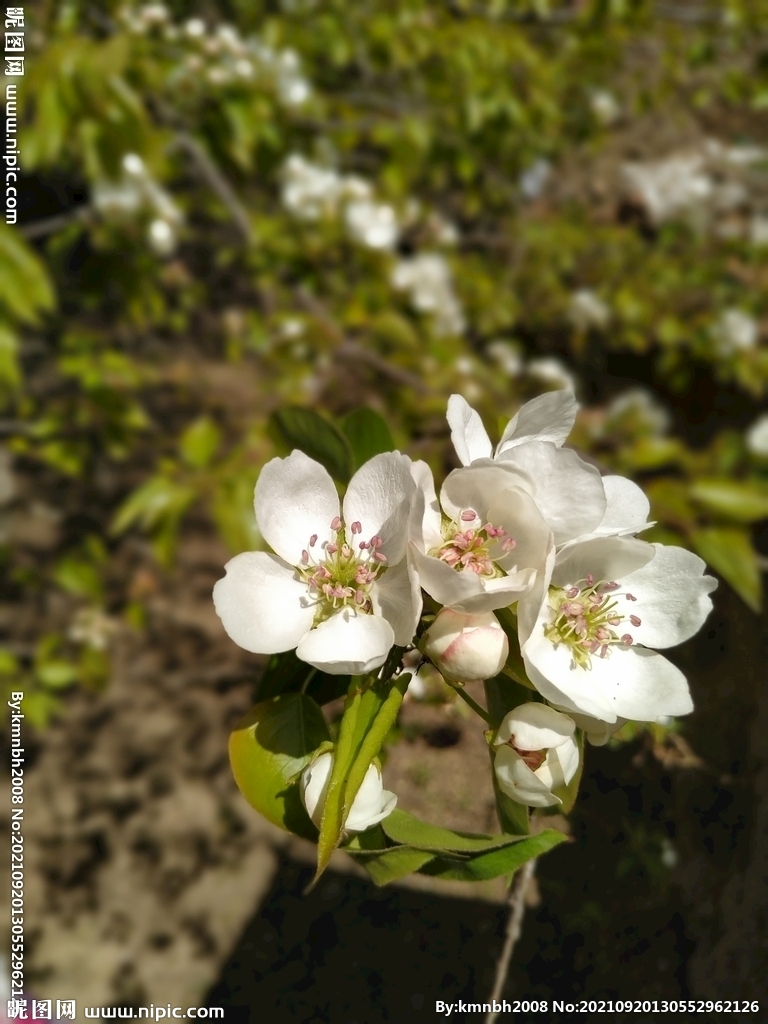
285, 673
25, 288
57, 675
408, 830
296, 427
269, 749
390, 865
730, 552
498, 862
746, 502
368, 716
368, 435
199, 443
80, 577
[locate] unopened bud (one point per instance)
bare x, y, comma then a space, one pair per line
465, 647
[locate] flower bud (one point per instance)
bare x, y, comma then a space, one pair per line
466, 647
536, 754
371, 804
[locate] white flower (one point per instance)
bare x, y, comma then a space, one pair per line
642, 404
605, 106
552, 371
309, 191
371, 805
428, 279
466, 647
586, 309
533, 180
373, 224
161, 237
671, 186
536, 754
757, 436
338, 588
587, 627
195, 28
482, 549
735, 331
568, 493
507, 357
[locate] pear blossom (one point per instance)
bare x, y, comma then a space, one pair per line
338, 587
589, 625
757, 436
735, 331
536, 754
465, 647
372, 802
373, 224
586, 309
427, 278
481, 546
568, 493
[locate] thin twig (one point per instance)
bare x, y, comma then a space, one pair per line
48, 226
516, 903
209, 172
459, 689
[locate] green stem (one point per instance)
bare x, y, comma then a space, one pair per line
459, 688
308, 680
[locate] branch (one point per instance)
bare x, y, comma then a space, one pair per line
41, 228
209, 172
358, 353
516, 903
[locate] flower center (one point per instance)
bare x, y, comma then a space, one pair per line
467, 545
585, 617
345, 573
533, 758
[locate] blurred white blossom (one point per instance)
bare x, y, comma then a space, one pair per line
533, 180
136, 192
586, 309
735, 331
605, 106
373, 224
643, 405
427, 278
552, 371
757, 436
508, 358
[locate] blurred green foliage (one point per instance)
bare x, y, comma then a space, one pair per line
170, 325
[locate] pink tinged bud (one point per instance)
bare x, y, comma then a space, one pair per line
635, 620
627, 640
468, 515
357, 527
313, 540
465, 647
336, 523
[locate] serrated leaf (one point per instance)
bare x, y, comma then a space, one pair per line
408, 830
730, 552
389, 865
746, 502
269, 749
296, 427
497, 862
367, 434
199, 443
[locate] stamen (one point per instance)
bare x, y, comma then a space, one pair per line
357, 527
313, 540
305, 557
635, 620
587, 625
379, 556
332, 549
336, 523
468, 515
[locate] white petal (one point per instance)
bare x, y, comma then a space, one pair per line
627, 509
549, 417
425, 517
468, 434
534, 726
518, 514
631, 682
261, 604
466, 591
378, 497
475, 487
372, 803
606, 558
566, 758
397, 597
347, 644
517, 780
672, 597
295, 498
568, 491
531, 603
314, 785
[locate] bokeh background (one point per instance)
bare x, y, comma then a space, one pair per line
229, 209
